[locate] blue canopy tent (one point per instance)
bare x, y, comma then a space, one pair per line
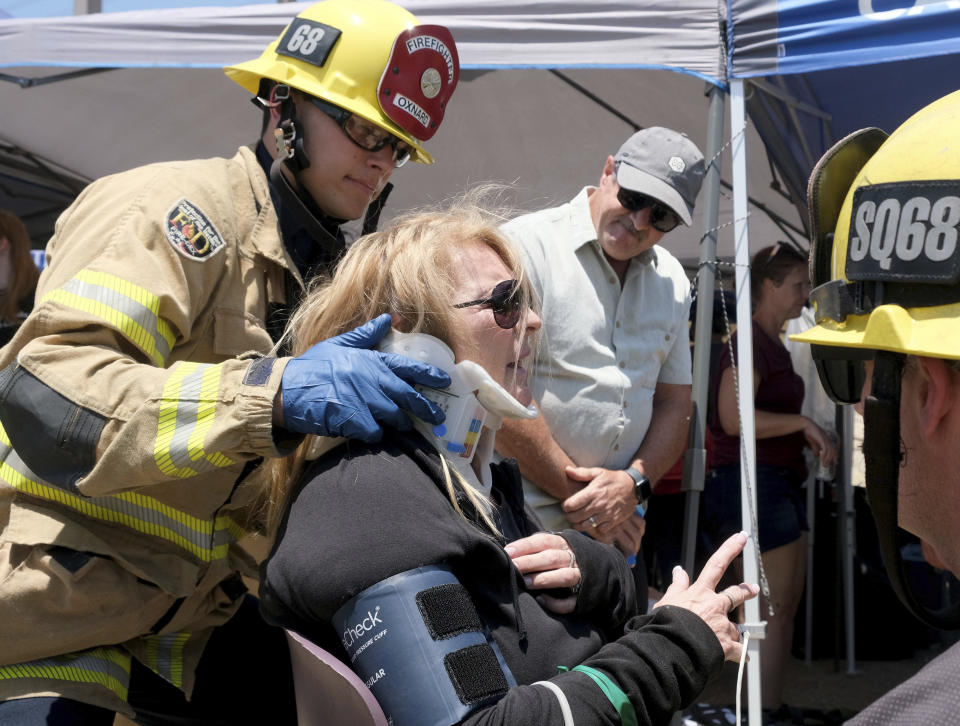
809, 72
576, 78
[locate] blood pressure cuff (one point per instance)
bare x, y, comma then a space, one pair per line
419, 645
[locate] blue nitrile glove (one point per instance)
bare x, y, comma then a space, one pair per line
339, 388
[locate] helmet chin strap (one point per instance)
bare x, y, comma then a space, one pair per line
291, 152
882, 454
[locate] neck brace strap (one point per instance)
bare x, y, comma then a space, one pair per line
882, 453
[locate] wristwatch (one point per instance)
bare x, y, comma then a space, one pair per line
641, 486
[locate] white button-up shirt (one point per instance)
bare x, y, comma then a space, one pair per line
603, 349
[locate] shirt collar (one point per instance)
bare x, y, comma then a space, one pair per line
583, 232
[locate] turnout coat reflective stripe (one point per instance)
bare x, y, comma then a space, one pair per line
131, 401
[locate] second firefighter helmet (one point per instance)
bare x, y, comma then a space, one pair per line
885, 254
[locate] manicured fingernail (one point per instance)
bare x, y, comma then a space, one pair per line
510, 551
528, 581
632, 560
677, 570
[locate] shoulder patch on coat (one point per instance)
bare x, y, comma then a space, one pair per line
190, 232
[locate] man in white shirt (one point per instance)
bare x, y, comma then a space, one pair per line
613, 379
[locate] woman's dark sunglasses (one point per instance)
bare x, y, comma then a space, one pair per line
365, 134
505, 301
662, 218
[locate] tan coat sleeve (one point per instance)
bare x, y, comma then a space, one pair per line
126, 375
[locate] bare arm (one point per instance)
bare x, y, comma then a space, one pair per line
539, 456
768, 424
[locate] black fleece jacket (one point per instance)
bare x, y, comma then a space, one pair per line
364, 513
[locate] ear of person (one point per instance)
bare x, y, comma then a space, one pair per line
936, 393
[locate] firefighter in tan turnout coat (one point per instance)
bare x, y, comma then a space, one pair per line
141, 393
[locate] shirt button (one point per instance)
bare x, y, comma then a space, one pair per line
623, 364
667, 336
625, 404
618, 323
616, 447
613, 280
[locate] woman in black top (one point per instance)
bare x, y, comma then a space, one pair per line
351, 516
779, 287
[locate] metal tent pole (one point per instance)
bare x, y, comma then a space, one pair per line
812, 484
695, 457
748, 469
845, 482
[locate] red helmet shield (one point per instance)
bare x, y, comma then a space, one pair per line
419, 79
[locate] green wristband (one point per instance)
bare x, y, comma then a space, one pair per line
613, 692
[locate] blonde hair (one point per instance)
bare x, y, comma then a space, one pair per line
23, 271
407, 270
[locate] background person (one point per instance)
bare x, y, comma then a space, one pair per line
18, 275
366, 521
779, 286
139, 397
904, 349
613, 384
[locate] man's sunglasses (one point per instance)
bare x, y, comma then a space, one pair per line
365, 134
662, 218
505, 301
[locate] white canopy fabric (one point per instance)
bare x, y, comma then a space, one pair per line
519, 124
490, 34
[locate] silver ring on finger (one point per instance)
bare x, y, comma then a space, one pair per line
573, 559
733, 601
593, 521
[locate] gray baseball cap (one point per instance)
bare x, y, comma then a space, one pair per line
663, 164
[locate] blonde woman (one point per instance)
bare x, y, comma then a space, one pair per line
425, 572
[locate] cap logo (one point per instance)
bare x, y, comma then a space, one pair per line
905, 231
677, 164
430, 83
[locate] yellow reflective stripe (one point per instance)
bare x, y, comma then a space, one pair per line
108, 667
186, 414
130, 309
164, 655
206, 539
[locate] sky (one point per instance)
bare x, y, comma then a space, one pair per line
50, 8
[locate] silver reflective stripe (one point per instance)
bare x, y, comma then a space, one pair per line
206, 539
186, 415
106, 666
165, 655
130, 309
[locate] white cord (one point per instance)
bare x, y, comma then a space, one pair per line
561, 696
743, 659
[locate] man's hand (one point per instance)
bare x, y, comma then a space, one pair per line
339, 388
546, 562
626, 536
702, 598
603, 504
